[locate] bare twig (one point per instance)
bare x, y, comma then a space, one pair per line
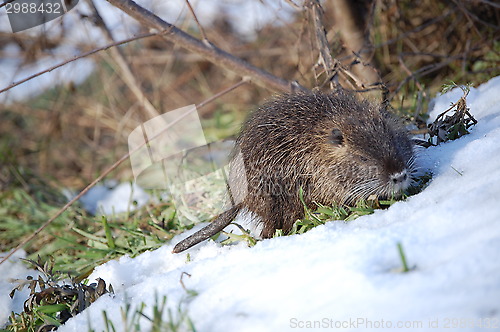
491, 3
202, 31
356, 81
182, 281
223, 92
325, 57
211, 53
83, 55
115, 165
125, 70
435, 55
349, 74
294, 5
408, 71
421, 72
310, 39
470, 17
417, 29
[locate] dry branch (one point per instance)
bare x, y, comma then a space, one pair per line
83, 55
209, 52
321, 42
125, 71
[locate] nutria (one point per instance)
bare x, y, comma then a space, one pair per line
336, 148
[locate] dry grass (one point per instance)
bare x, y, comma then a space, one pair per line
434, 41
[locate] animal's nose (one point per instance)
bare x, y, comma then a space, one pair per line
400, 177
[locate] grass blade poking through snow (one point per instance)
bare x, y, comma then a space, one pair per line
107, 231
162, 318
403, 258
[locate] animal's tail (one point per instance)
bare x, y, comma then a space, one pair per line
221, 221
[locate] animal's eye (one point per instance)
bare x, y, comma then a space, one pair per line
336, 137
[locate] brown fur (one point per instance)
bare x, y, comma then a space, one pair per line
334, 147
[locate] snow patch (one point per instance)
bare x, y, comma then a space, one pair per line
104, 200
12, 269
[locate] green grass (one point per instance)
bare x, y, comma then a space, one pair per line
322, 214
245, 236
73, 245
77, 241
175, 320
402, 255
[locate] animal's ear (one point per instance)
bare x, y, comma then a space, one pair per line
336, 137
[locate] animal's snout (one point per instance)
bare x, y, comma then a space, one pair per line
399, 178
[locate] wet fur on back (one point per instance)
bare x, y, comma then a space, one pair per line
336, 148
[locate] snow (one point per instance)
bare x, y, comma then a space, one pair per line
345, 275
108, 198
10, 270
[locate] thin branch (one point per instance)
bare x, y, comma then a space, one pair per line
83, 55
471, 17
310, 38
223, 92
210, 52
417, 29
321, 41
435, 55
294, 5
125, 70
408, 71
116, 164
491, 3
421, 72
202, 31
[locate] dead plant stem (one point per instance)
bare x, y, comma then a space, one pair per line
124, 68
209, 52
83, 55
